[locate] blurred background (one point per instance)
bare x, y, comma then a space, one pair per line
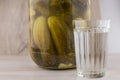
14, 26
110, 9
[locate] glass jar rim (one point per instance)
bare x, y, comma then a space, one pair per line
78, 24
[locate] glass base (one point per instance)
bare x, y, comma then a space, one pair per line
91, 75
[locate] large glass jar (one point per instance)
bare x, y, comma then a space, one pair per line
51, 31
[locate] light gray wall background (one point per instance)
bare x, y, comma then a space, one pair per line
14, 28
111, 10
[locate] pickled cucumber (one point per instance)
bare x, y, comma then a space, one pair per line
43, 40
59, 35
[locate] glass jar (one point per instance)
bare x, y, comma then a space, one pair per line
51, 31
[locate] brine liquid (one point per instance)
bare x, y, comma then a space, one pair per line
90, 53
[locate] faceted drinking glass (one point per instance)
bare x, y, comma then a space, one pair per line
91, 47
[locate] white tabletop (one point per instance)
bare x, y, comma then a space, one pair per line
23, 68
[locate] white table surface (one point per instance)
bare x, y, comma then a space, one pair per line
23, 68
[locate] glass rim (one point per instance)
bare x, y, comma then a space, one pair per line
92, 20
78, 24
